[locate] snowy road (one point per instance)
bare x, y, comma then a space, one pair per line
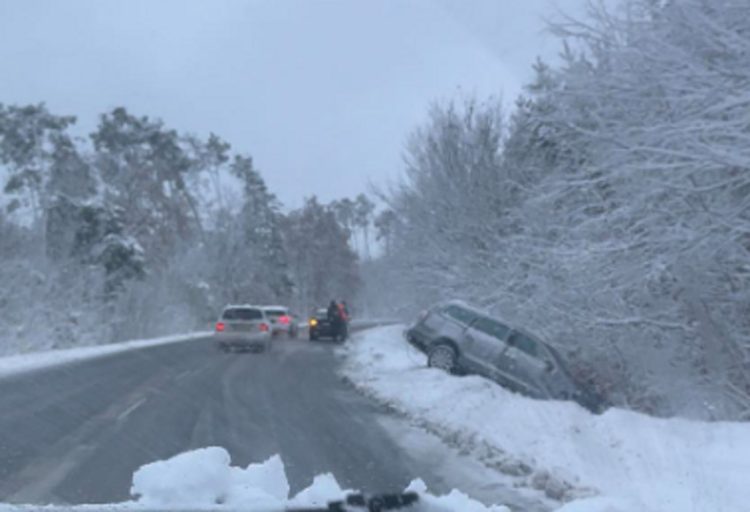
75, 433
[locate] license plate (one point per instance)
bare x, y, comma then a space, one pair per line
241, 327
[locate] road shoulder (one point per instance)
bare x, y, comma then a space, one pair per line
23, 363
631, 460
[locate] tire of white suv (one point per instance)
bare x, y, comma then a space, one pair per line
442, 356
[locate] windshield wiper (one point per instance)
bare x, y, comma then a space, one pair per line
361, 502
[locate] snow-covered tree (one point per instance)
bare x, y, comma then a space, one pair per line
143, 167
29, 136
323, 265
136, 234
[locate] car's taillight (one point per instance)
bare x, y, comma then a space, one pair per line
219, 326
313, 322
284, 319
264, 327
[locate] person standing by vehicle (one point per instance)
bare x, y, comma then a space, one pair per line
343, 311
346, 310
334, 317
343, 314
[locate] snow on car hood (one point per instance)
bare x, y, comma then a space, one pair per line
204, 479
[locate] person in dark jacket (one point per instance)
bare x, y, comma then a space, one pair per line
333, 311
334, 318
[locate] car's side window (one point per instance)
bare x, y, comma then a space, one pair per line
524, 343
492, 328
500, 331
460, 314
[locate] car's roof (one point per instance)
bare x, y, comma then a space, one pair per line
549, 346
478, 311
275, 307
473, 309
242, 306
459, 302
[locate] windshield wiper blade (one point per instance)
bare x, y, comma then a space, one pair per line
362, 502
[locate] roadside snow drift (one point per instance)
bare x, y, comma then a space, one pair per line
618, 461
12, 365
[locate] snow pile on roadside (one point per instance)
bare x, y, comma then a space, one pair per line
204, 478
633, 461
11, 365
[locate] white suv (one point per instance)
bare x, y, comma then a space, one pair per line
282, 321
243, 327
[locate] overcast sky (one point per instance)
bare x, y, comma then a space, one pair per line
321, 93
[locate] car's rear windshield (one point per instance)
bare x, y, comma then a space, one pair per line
321, 313
242, 314
276, 312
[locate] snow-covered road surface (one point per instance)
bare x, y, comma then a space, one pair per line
629, 461
74, 433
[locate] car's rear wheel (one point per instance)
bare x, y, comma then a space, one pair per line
443, 357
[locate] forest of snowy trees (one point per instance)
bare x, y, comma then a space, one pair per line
609, 212
139, 230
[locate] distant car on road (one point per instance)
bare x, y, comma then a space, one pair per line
282, 321
243, 327
458, 338
319, 326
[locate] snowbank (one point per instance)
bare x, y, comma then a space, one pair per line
629, 460
12, 365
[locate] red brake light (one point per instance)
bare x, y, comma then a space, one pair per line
219, 326
264, 327
284, 319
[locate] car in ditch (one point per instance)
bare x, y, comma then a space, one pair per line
458, 338
243, 327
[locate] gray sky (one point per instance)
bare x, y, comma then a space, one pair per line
321, 93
